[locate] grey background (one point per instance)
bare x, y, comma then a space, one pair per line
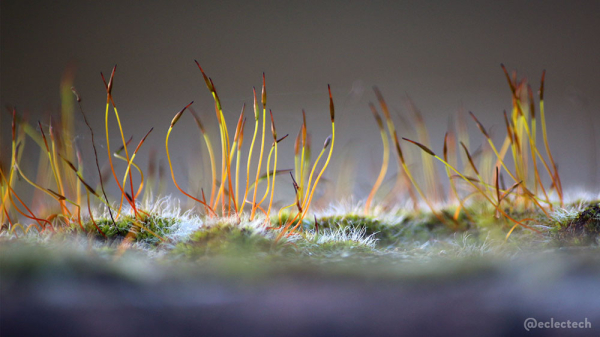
444, 54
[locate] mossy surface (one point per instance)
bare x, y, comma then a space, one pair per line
419, 227
224, 239
228, 240
335, 250
584, 229
151, 227
395, 237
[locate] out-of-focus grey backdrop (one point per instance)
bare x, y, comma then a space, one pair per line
444, 54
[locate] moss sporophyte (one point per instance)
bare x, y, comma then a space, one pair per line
513, 185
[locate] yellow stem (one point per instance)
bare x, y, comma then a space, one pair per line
173, 175
273, 187
262, 147
248, 166
382, 172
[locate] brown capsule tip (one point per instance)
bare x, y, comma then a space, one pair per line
423, 147
331, 107
110, 82
303, 127
214, 91
327, 141
282, 138
176, 118
297, 142
146, 136
256, 112
479, 125
497, 185
273, 130
241, 137
243, 111
446, 147
60, 197
469, 158
178, 115
294, 181
104, 81
243, 127
510, 81
120, 149
456, 176
68, 163
76, 94
88, 187
239, 123
43, 136
208, 84
531, 102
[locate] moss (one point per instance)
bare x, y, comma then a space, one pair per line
231, 240
332, 249
118, 230
224, 239
583, 230
371, 225
285, 217
420, 227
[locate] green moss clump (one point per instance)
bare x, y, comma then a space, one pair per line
224, 239
237, 241
288, 216
584, 230
118, 230
410, 227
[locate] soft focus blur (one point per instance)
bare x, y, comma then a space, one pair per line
444, 55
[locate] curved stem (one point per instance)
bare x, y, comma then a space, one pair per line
173, 175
